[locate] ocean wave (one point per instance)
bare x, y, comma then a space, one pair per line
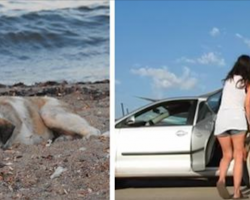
61, 28
40, 44
89, 8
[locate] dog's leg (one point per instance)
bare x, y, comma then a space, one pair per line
12, 138
69, 123
6, 131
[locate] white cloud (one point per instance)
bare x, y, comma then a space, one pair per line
244, 39
162, 78
214, 32
186, 60
239, 35
117, 82
209, 58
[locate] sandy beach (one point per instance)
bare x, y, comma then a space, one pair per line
25, 170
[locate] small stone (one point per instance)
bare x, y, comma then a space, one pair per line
90, 190
82, 149
59, 170
49, 142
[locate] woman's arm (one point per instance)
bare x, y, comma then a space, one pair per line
247, 104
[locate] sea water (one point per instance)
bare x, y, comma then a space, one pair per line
53, 40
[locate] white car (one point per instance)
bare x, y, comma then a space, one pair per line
171, 137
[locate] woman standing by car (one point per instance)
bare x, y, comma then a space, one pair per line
231, 124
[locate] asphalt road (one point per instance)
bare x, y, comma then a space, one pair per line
170, 189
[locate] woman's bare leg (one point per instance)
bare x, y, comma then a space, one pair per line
238, 146
227, 155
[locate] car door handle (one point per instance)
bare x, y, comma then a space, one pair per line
181, 133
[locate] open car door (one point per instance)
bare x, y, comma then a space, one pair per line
202, 139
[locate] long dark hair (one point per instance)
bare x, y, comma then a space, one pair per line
242, 68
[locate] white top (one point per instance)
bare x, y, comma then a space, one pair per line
231, 115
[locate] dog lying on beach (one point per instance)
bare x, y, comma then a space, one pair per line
32, 120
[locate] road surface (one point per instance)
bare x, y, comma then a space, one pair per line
170, 189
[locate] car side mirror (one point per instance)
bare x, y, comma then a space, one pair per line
130, 120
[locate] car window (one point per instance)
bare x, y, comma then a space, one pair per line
170, 113
151, 113
214, 101
203, 112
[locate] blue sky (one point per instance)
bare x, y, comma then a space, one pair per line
176, 48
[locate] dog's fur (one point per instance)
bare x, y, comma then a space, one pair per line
31, 120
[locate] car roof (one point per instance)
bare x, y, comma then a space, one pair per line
202, 97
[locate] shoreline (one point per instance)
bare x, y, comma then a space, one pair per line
53, 83
97, 89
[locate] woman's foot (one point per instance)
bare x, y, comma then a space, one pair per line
240, 196
222, 190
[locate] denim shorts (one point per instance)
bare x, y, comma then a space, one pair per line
232, 132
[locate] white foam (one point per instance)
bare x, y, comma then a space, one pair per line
16, 7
